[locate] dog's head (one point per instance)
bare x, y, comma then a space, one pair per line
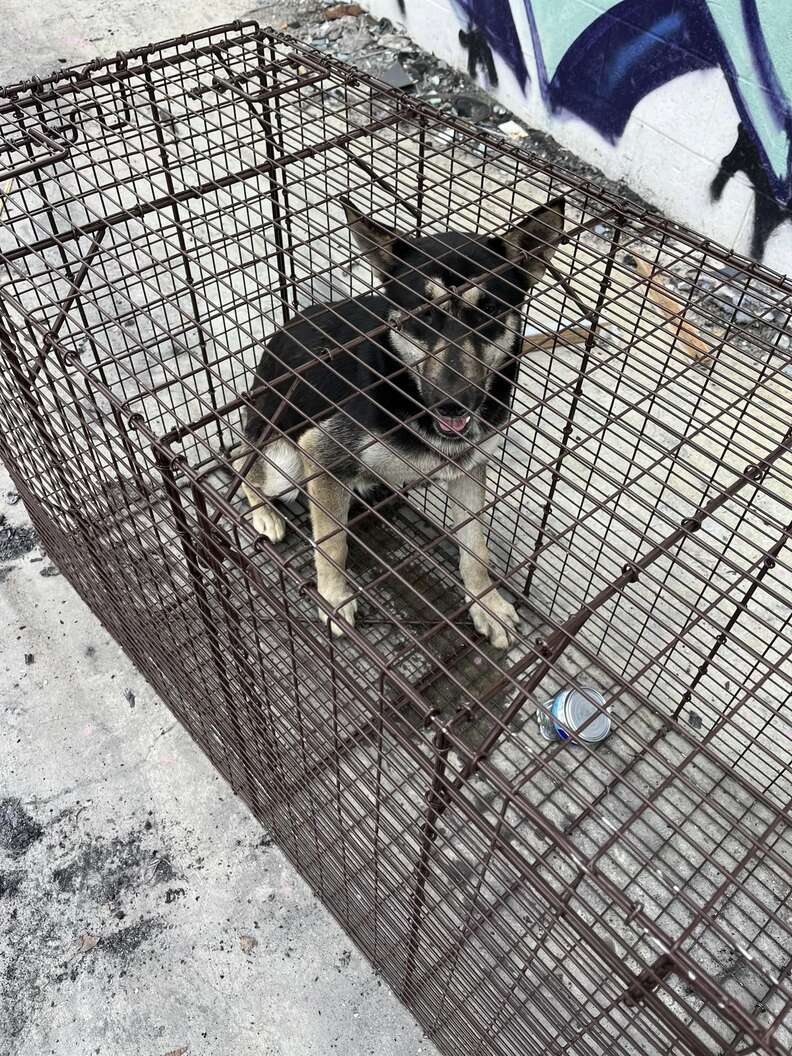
457, 299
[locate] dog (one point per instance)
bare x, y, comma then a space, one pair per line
410, 382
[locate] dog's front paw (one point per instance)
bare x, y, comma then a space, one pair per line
497, 621
336, 596
269, 522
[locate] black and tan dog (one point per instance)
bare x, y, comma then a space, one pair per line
424, 396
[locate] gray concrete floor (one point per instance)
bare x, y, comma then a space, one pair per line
142, 909
44, 35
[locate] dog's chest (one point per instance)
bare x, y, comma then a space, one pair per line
400, 468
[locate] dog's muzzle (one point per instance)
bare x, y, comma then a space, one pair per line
453, 426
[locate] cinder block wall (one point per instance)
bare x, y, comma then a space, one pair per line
688, 101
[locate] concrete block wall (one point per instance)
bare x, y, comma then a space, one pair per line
688, 101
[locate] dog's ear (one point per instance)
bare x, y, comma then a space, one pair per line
533, 241
383, 248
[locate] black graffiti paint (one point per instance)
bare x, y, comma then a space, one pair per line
768, 212
491, 30
479, 54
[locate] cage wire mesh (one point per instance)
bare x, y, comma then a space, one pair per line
167, 212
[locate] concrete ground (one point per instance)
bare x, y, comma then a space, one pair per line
48, 34
142, 909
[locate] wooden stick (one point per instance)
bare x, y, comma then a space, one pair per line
570, 333
689, 337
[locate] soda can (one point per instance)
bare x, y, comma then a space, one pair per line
568, 711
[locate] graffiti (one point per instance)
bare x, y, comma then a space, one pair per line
600, 65
768, 213
491, 28
607, 69
607, 63
479, 54
610, 63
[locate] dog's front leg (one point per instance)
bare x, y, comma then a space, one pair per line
329, 504
491, 613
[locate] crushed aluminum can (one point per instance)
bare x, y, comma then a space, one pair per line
560, 718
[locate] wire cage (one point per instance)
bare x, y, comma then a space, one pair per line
164, 214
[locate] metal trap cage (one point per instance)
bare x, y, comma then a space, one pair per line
164, 214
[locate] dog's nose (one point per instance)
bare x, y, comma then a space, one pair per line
450, 409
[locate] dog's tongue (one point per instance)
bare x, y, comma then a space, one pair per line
453, 425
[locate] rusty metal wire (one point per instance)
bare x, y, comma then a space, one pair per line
163, 214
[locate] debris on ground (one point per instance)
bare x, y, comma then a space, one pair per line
87, 942
397, 77
471, 108
15, 540
382, 49
18, 829
248, 943
512, 130
341, 10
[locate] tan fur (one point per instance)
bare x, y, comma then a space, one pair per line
442, 464
495, 352
491, 613
265, 479
412, 353
329, 504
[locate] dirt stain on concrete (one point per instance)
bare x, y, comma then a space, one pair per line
106, 869
10, 882
15, 540
126, 940
18, 829
44, 909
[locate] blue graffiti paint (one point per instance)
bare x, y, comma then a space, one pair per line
493, 20
626, 53
639, 50
599, 62
615, 58
763, 61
